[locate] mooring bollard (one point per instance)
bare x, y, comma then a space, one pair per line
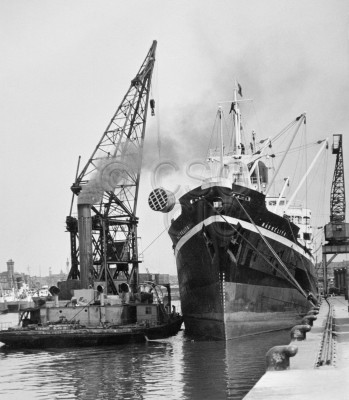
312, 298
278, 357
313, 312
298, 332
309, 320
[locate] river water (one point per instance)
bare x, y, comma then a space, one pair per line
176, 368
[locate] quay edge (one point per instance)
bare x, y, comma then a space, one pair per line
304, 380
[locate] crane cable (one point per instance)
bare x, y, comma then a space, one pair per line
158, 140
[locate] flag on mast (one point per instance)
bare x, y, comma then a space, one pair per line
239, 89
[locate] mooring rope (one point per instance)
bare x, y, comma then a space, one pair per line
305, 269
296, 284
253, 247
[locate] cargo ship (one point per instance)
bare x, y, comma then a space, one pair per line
244, 256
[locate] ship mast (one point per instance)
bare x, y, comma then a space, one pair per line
237, 118
221, 138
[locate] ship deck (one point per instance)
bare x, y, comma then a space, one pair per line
304, 380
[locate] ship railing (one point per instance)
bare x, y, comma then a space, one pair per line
296, 204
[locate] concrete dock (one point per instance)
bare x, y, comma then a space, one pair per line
305, 378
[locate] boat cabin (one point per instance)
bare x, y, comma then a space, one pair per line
91, 308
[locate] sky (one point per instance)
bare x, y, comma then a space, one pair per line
66, 65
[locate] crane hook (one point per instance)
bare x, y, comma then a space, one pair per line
152, 106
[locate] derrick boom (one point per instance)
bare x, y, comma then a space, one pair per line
107, 193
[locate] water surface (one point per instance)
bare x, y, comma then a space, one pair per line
176, 368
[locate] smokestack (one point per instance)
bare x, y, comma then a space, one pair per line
10, 267
85, 242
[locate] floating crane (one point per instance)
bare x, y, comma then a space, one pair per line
104, 236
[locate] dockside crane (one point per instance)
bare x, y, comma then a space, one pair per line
103, 237
337, 205
337, 230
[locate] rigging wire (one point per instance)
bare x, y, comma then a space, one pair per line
306, 164
273, 169
245, 125
231, 137
256, 116
284, 130
153, 241
320, 175
294, 252
299, 120
321, 204
296, 149
213, 132
298, 162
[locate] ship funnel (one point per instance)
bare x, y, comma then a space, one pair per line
100, 288
54, 290
161, 200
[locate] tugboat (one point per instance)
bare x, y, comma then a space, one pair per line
244, 257
92, 318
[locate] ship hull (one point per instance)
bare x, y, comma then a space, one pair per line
238, 278
239, 321
16, 305
55, 336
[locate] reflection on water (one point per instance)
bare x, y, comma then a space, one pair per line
226, 370
175, 368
